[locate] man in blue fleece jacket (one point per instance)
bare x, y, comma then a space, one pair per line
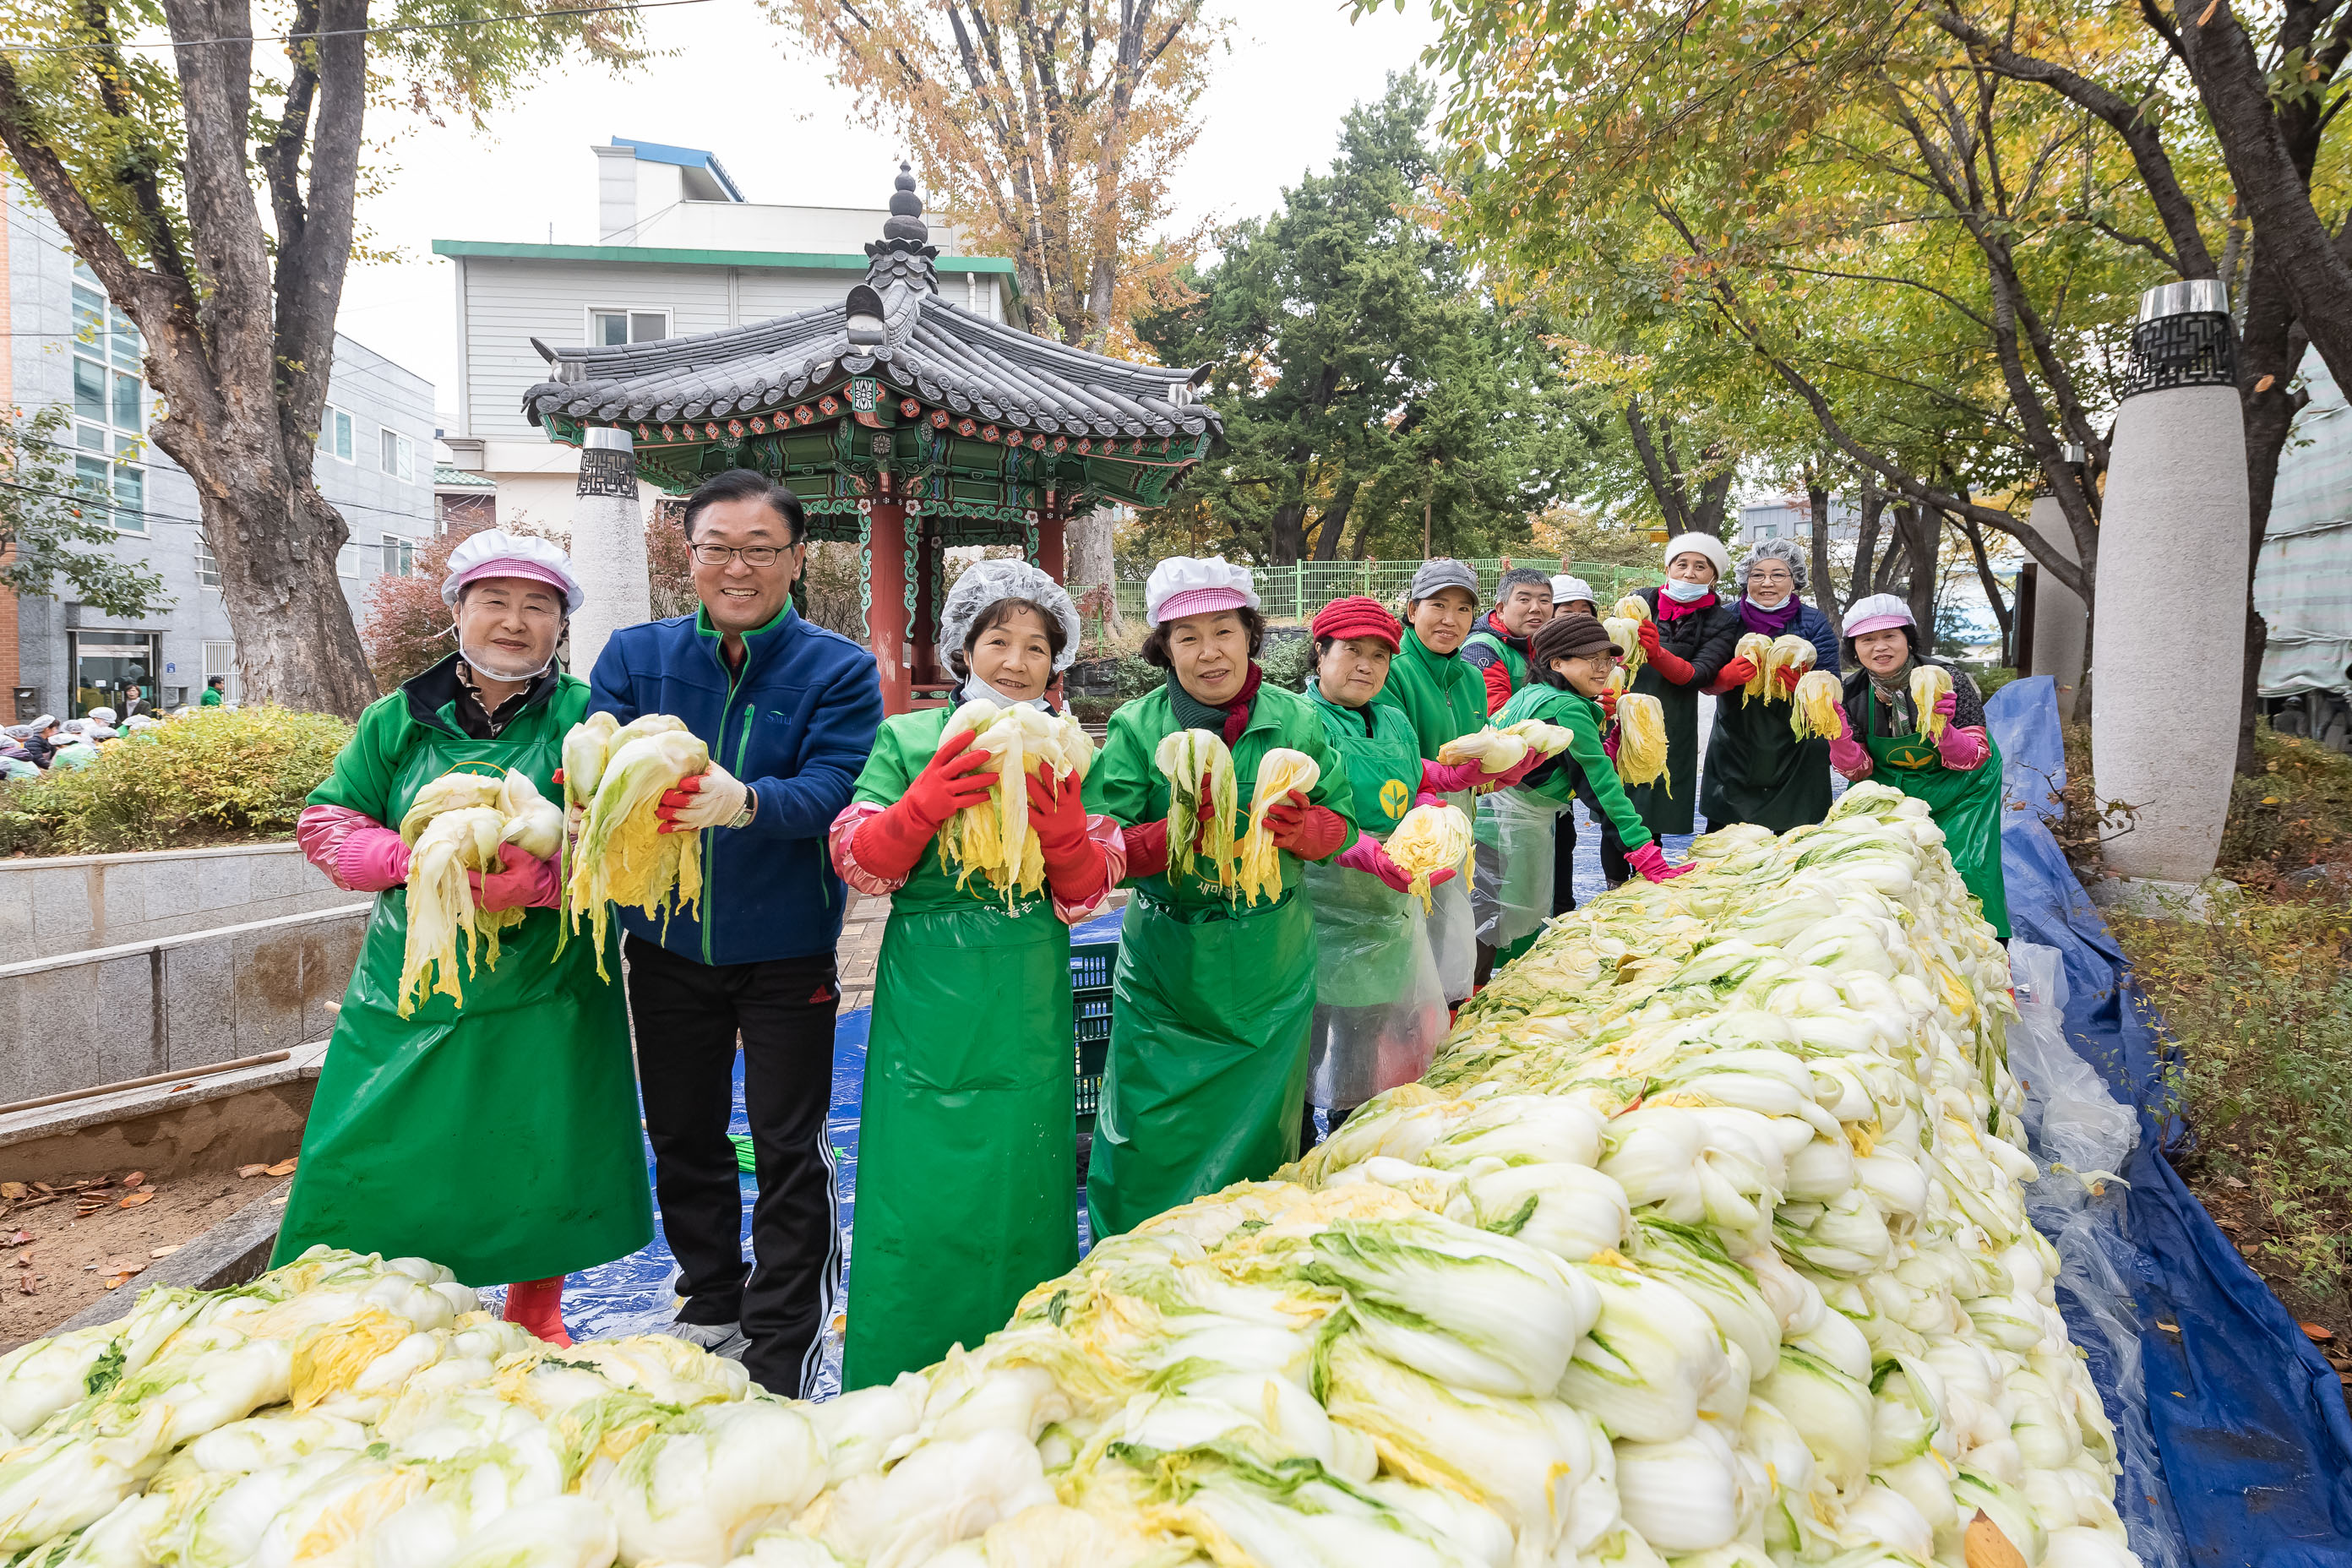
789, 712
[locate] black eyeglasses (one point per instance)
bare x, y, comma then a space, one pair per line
752, 554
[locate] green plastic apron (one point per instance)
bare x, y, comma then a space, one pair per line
502, 1141
967, 1146
1380, 1010
1662, 809
1965, 805
1759, 771
1209, 1009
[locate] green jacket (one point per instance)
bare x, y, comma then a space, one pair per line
391, 726
1442, 694
903, 747
1128, 786
1555, 780
211, 699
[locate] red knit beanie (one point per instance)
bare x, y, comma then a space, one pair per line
1356, 616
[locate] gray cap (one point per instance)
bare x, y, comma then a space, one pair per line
1443, 573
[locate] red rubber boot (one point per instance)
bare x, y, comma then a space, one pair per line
538, 1305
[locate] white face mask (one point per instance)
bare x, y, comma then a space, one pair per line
487, 664
1683, 592
974, 687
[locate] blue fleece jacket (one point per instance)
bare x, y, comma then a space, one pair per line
795, 726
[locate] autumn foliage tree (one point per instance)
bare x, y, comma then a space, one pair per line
211, 186
1048, 130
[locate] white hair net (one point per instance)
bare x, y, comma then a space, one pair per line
984, 584
1787, 552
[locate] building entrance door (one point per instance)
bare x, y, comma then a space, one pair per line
105, 662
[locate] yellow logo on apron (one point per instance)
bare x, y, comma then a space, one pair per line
1913, 754
1395, 798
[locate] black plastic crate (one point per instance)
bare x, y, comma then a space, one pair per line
1092, 1056
1090, 990
1090, 965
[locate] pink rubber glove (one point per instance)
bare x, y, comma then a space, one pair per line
1453, 778
1519, 770
1609, 745
371, 859
526, 883
1426, 798
1650, 861
1365, 855
1962, 750
1848, 755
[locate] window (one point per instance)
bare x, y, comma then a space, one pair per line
399, 556
612, 328
335, 433
399, 457
108, 407
220, 659
347, 561
1769, 530
208, 568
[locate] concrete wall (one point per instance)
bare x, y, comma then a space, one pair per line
73, 904
125, 1011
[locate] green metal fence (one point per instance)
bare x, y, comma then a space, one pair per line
1296, 592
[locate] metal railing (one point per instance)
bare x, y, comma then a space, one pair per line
1294, 593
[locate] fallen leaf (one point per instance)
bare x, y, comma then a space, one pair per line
2264, 385
165, 1251
22, 1238
118, 1282
1985, 1546
136, 1198
136, 1265
134, 1178
251, 1170
11, 1189
25, 1285
283, 1168
2270, 800
2207, 16
178, 1087
2167, 1328
2233, 1182
2315, 1333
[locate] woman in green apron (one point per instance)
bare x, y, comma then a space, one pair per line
1445, 696
1689, 638
1212, 998
1569, 661
1957, 773
499, 1136
1380, 1009
967, 1132
1757, 769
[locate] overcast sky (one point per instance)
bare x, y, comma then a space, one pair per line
1272, 111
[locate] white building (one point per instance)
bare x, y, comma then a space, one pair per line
70, 349
1788, 519
680, 252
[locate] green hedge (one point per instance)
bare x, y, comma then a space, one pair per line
217, 776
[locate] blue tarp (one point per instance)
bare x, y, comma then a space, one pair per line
2251, 1450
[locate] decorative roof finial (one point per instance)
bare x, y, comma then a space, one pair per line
906, 221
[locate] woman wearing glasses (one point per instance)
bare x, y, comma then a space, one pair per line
789, 712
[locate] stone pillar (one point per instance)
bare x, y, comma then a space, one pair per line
2168, 647
608, 545
889, 585
2060, 622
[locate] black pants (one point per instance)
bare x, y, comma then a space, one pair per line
688, 1016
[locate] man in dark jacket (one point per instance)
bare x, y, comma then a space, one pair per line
789, 712
1497, 650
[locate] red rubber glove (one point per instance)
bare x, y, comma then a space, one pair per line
892, 841
1366, 855
1848, 755
1075, 866
1607, 700
1146, 849
1672, 666
526, 883
1650, 863
1308, 831
1785, 680
1732, 677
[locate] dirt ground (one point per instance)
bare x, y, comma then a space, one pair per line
60, 1252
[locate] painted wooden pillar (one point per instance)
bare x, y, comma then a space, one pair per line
889, 608
928, 671
1052, 552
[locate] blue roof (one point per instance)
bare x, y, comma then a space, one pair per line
684, 157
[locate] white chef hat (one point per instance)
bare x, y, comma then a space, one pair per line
1196, 586
984, 582
495, 553
1706, 544
1567, 590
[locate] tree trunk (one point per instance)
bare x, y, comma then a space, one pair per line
1091, 569
1865, 541
2270, 352
1707, 515
295, 643
1825, 593
1920, 527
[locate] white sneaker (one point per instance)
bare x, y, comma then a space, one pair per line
725, 1341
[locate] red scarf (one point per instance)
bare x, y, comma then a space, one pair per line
1668, 609
1237, 711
